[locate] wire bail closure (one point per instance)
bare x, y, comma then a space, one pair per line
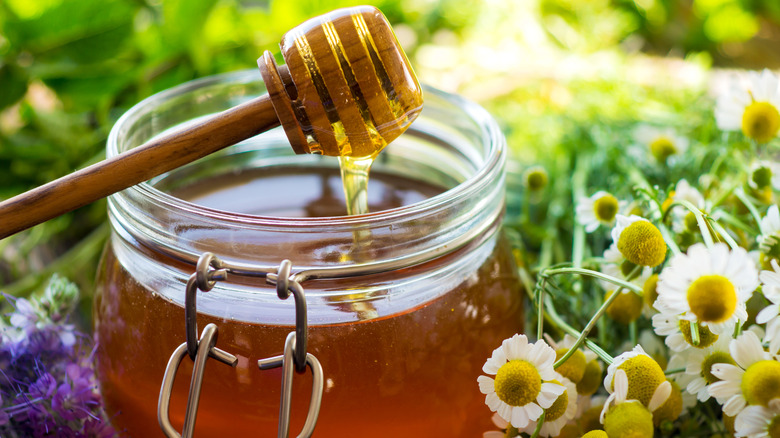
294, 351
210, 269
287, 379
206, 349
199, 350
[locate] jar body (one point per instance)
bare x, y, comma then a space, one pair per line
400, 349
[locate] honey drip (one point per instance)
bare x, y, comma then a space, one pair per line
354, 177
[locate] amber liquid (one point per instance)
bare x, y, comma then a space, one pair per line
409, 372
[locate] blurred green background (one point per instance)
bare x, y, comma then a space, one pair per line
549, 70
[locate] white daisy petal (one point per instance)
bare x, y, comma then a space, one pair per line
660, 395
519, 417
486, 384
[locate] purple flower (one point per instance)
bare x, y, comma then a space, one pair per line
25, 317
47, 384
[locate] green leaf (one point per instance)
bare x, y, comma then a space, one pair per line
13, 85
70, 22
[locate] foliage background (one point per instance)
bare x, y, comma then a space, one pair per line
562, 76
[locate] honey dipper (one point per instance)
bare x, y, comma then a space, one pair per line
347, 89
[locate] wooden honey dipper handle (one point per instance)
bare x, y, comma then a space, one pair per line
135, 166
347, 89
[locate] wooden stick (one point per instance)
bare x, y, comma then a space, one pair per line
136, 165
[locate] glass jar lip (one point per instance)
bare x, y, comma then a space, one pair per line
491, 136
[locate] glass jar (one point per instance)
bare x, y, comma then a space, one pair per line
401, 350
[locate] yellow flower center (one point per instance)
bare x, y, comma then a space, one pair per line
574, 367
605, 208
761, 382
713, 358
662, 148
596, 434
712, 298
558, 408
642, 244
691, 223
626, 308
672, 407
774, 427
591, 379
517, 383
650, 290
536, 178
511, 432
628, 420
706, 337
762, 177
644, 375
761, 121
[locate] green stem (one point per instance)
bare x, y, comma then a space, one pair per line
695, 340
674, 371
596, 317
596, 274
578, 239
723, 233
740, 194
587, 329
539, 425
737, 329
540, 307
563, 325
700, 220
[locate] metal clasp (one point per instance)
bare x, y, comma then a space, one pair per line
199, 350
315, 402
206, 349
295, 352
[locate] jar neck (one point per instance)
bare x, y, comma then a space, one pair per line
454, 142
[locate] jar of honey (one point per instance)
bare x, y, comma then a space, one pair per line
401, 348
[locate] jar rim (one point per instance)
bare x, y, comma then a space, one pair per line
491, 136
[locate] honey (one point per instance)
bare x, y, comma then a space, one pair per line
400, 349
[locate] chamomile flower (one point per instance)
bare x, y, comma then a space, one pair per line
616, 265
752, 105
770, 315
678, 332
642, 372
522, 387
769, 240
616, 422
698, 365
754, 380
759, 421
536, 178
561, 412
640, 242
709, 286
663, 143
682, 218
599, 209
764, 174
